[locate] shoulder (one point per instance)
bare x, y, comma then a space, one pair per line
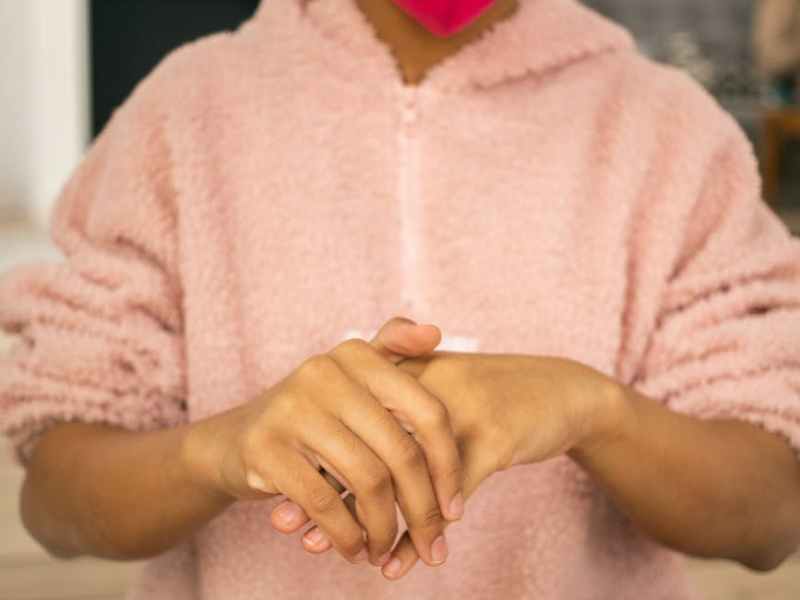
672, 103
136, 146
186, 76
670, 119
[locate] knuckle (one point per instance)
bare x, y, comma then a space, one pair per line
249, 451
377, 482
351, 543
428, 518
352, 346
434, 416
252, 445
282, 407
316, 367
322, 500
379, 420
448, 471
409, 454
256, 454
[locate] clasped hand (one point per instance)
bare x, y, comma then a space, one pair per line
503, 410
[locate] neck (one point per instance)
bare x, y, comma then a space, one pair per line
415, 49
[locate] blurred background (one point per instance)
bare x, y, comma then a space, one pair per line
67, 64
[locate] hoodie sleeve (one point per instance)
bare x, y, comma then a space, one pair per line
725, 342
99, 335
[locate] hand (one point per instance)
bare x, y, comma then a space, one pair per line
509, 410
339, 411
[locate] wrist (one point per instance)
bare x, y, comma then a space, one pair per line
608, 419
200, 458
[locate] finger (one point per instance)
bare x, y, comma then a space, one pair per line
404, 557
400, 452
418, 409
306, 486
315, 541
414, 366
289, 517
368, 479
401, 338
477, 468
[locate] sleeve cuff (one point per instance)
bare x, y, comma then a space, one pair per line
769, 399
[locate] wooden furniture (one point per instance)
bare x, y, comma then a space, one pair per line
778, 126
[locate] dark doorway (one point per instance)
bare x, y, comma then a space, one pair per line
130, 37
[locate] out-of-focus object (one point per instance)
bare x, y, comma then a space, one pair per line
779, 124
776, 41
709, 40
44, 109
128, 40
684, 52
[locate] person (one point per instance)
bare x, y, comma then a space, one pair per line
776, 40
591, 369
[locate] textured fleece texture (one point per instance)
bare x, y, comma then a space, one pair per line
547, 190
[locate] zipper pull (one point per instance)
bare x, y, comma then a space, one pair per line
409, 104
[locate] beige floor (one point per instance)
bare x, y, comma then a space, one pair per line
26, 573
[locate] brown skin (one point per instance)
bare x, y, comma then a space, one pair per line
733, 489
85, 485
739, 498
83, 489
415, 49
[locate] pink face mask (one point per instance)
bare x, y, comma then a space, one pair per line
445, 17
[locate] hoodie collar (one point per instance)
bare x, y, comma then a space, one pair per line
542, 36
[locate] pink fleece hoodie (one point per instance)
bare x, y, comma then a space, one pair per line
548, 190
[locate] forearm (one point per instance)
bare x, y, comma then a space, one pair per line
112, 493
721, 489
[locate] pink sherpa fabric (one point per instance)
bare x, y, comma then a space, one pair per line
547, 190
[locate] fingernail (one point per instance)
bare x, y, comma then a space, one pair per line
456, 508
361, 556
393, 569
439, 550
384, 559
289, 513
314, 537
255, 481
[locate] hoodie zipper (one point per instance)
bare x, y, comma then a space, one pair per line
409, 194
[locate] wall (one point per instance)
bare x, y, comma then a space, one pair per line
14, 98
44, 108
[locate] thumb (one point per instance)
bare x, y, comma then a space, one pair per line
402, 338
